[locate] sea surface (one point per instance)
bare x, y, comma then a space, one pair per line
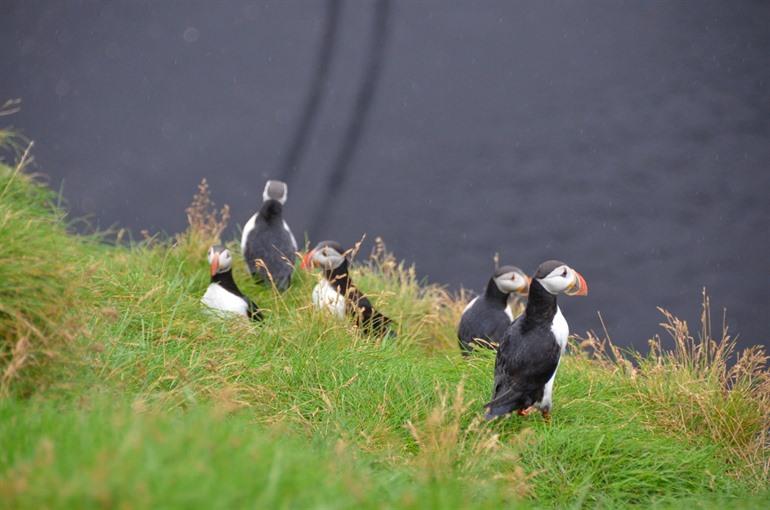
628, 139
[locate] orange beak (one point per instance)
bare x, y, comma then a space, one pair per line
307, 260
582, 289
215, 265
524, 290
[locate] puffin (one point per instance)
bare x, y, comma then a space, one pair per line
336, 294
533, 344
223, 295
267, 242
487, 317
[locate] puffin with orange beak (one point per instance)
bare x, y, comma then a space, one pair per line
488, 316
530, 350
336, 294
223, 295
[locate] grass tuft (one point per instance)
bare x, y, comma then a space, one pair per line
701, 388
41, 272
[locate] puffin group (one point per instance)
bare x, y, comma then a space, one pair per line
528, 347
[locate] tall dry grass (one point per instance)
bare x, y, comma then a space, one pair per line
702, 386
205, 222
446, 444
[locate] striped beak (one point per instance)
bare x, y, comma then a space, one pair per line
579, 287
524, 289
215, 264
307, 260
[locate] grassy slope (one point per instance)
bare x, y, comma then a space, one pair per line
119, 389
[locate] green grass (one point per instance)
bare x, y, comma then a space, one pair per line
118, 390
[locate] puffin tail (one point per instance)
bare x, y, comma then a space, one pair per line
378, 325
504, 402
495, 412
282, 284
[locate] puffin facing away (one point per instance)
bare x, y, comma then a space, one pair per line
531, 347
336, 294
487, 317
223, 295
268, 238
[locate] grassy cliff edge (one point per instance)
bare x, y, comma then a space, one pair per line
117, 389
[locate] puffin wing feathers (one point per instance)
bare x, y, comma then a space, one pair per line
369, 319
522, 368
274, 245
481, 321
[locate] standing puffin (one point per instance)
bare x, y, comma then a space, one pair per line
223, 295
336, 293
530, 349
267, 242
487, 317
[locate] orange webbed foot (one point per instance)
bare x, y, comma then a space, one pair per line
525, 412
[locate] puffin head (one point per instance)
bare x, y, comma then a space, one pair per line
275, 190
327, 254
511, 279
220, 259
558, 278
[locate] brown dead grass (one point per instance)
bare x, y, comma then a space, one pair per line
205, 222
700, 387
444, 443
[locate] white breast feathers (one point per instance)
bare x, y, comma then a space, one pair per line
326, 297
221, 300
560, 329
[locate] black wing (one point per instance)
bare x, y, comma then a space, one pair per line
482, 322
273, 245
369, 319
524, 363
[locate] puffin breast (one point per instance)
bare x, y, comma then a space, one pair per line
327, 298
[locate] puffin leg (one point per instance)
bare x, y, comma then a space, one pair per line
546, 415
525, 412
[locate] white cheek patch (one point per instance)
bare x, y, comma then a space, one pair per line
225, 262
329, 262
506, 285
555, 283
550, 285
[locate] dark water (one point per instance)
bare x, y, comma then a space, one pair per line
629, 139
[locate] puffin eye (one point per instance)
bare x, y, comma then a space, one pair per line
564, 273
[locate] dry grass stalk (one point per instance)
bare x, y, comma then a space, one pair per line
19, 357
695, 388
10, 107
381, 258
443, 442
205, 221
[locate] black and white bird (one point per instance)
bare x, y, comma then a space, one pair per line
223, 295
267, 242
531, 348
336, 294
487, 317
